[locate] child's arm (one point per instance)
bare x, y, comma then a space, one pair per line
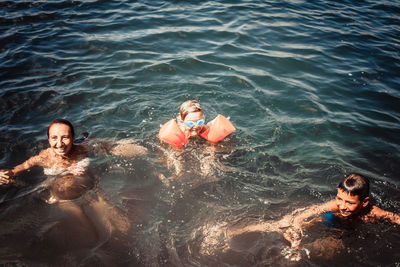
297, 221
385, 215
290, 225
259, 227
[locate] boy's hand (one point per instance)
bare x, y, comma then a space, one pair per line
298, 223
293, 235
5, 177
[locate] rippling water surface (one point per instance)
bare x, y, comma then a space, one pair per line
311, 86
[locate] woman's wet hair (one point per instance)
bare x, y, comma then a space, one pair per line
189, 106
61, 121
356, 185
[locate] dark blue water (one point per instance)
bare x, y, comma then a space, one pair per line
311, 86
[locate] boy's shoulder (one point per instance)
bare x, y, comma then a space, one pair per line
375, 214
329, 206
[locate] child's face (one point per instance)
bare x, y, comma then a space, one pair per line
194, 117
348, 204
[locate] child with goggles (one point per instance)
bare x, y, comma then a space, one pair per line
190, 123
191, 118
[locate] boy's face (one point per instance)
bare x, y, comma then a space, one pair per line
194, 117
349, 204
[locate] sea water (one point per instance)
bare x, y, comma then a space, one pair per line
311, 86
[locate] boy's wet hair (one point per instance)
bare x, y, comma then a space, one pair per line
61, 121
189, 107
356, 185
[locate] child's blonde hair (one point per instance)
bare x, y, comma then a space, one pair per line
189, 107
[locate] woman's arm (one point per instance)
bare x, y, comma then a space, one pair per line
6, 175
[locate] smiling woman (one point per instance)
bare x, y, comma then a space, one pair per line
61, 137
64, 157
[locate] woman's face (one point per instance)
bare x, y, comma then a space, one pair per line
60, 139
197, 120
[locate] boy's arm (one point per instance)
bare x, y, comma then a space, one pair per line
386, 215
300, 218
293, 224
258, 227
289, 224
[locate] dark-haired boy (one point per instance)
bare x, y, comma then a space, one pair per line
352, 203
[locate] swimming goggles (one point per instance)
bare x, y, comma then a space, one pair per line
190, 124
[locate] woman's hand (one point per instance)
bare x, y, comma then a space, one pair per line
5, 177
76, 170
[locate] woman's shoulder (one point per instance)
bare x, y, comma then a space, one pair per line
45, 153
40, 159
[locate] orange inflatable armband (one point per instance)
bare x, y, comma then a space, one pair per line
219, 129
172, 134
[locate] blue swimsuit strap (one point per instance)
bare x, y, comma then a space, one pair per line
328, 219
